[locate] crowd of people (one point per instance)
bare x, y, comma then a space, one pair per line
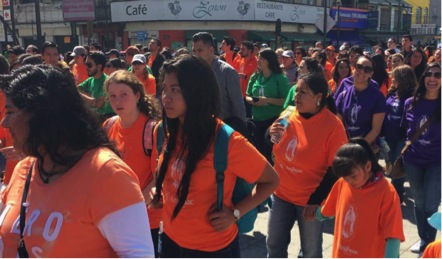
115, 153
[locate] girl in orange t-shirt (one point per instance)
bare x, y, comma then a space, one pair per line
340, 71
193, 227
134, 111
365, 205
139, 68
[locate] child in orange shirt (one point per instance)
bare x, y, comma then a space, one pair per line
433, 250
136, 113
186, 183
365, 205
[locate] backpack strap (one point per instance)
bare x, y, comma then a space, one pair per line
220, 161
160, 138
148, 136
110, 123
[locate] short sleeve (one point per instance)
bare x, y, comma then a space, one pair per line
380, 106
390, 218
329, 207
240, 153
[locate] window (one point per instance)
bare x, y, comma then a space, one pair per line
418, 15
426, 14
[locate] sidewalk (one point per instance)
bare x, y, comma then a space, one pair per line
253, 244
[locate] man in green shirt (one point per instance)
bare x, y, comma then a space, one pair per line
92, 89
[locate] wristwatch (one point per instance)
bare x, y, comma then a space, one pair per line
237, 214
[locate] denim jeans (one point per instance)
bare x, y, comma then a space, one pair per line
395, 151
426, 187
281, 221
261, 144
169, 249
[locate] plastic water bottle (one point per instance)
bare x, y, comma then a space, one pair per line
276, 138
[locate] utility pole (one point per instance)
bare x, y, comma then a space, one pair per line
14, 37
325, 21
399, 20
339, 14
38, 23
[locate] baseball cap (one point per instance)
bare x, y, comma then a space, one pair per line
140, 58
288, 53
78, 51
330, 48
113, 51
131, 50
264, 45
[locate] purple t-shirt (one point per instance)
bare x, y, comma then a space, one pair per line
425, 151
357, 109
347, 83
391, 127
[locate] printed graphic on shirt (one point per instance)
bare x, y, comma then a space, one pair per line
354, 113
422, 121
349, 223
177, 171
291, 149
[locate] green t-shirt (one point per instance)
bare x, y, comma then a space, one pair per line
95, 89
274, 86
290, 100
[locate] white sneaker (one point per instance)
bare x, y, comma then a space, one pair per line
416, 247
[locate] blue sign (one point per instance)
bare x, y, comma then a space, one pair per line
141, 35
372, 21
350, 18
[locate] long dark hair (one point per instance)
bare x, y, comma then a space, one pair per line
272, 59
317, 83
60, 123
380, 74
147, 104
356, 152
201, 95
336, 68
421, 90
419, 70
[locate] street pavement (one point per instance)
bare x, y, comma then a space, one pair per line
253, 244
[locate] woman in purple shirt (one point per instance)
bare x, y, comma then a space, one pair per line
362, 106
404, 82
422, 160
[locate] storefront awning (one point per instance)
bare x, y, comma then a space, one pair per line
287, 36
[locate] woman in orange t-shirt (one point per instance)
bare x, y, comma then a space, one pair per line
136, 113
140, 70
193, 227
365, 205
82, 200
340, 71
302, 159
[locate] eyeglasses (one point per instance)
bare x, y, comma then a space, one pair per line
137, 63
89, 65
367, 69
108, 65
435, 74
83, 55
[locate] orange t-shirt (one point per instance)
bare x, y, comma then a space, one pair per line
151, 60
245, 66
150, 86
62, 217
306, 150
80, 73
365, 218
6, 139
333, 85
432, 250
191, 228
130, 145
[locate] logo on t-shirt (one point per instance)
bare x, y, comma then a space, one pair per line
354, 113
291, 149
348, 227
395, 106
422, 121
177, 172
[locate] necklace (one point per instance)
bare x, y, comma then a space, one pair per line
45, 176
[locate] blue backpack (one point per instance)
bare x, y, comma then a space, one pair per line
242, 188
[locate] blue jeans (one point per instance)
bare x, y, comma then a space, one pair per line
426, 187
395, 151
281, 220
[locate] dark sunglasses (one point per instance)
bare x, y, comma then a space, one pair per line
435, 74
89, 65
136, 63
366, 69
83, 55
